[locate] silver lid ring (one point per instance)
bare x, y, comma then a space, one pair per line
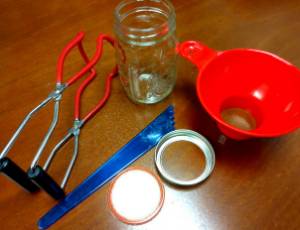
188, 136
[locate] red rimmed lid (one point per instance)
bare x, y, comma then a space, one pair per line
136, 196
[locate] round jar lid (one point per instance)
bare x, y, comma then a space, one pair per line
188, 136
136, 196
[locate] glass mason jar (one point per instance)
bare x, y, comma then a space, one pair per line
146, 48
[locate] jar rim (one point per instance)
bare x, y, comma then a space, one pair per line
118, 16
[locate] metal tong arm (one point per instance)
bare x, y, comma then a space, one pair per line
77, 41
22, 126
45, 181
78, 122
39, 174
60, 87
7, 166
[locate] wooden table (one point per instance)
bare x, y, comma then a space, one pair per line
255, 184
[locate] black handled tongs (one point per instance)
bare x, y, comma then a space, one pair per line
10, 168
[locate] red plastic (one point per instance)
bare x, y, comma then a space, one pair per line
102, 101
257, 81
77, 41
67, 49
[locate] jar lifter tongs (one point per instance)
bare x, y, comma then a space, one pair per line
37, 173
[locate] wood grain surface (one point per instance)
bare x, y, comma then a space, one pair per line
255, 184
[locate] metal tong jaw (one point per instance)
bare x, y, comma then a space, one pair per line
11, 169
39, 174
7, 166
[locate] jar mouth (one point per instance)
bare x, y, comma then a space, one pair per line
127, 8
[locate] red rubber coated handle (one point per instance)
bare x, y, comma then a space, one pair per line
93, 60
90, 78
67, 49
196, 52
77, 41
101, 102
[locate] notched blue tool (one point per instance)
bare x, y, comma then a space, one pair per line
134, 149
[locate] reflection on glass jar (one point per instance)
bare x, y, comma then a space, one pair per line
146, 48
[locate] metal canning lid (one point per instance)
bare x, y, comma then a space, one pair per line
188, 136
136, 196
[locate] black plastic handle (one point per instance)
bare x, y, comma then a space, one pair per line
13, 171
42, 179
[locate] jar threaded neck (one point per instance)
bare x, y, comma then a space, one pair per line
145, 21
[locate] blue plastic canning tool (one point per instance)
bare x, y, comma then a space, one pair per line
134, 149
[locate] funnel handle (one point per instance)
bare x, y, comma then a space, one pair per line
196, 52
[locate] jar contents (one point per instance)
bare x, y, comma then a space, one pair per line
239, 118
146, 53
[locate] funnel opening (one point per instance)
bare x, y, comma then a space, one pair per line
241, 113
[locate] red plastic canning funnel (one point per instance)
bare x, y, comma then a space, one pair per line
256, 89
